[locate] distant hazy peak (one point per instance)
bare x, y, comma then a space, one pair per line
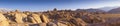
108, 8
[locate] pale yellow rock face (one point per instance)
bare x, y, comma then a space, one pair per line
81, 22
19, 24
33, 20
3, 20
45, 18
19, 17
36, 18
60, 24
42, 24
23, 15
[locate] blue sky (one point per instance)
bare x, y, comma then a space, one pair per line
40, 5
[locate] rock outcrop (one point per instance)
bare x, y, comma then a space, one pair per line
3, 20
36, 18
44, 18
55, 18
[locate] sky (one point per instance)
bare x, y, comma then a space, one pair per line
41, 5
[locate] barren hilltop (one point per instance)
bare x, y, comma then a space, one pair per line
59, 18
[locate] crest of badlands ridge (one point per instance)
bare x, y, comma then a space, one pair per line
54, 18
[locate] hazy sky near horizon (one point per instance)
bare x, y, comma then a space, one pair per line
38, 5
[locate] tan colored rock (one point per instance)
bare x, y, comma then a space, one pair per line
3, 20
33, 20
13, 25
22, 24
61, 24
42, 24
33, 24
19, 24
78, 22
45, 18
70, 24
19, 17
36, 18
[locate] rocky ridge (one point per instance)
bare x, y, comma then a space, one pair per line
52, 18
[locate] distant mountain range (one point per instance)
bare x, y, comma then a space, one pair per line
116, 10
103, 9
91, 10
108, 8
